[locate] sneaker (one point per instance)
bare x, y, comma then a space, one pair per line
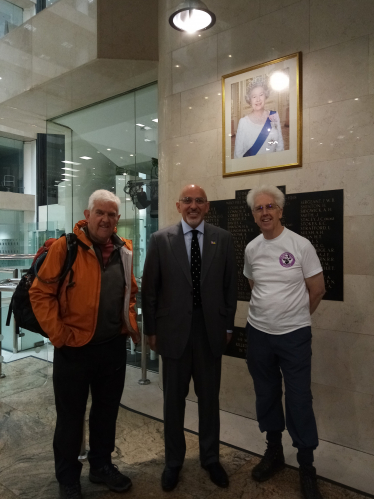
112, 477
270, 464
71, 491
308, 482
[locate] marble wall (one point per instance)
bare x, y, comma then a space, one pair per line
336, 39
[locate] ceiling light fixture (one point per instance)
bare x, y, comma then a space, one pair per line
71, 163
155, 120
192, 16
85, 157
139, 124
70, 169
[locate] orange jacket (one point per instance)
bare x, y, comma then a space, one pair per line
70, 318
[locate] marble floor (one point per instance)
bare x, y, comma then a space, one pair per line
27, 417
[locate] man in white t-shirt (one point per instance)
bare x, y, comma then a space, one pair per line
287, 284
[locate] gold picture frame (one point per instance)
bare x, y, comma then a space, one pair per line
262, 118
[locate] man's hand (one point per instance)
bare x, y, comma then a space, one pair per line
316, 288
152, 342
136, 338
228, 337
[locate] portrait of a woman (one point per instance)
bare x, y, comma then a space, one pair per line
259, 132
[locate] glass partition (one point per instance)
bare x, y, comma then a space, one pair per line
11, 165
111, 145
11, 16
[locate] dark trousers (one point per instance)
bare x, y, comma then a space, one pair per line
268, 357
197, 361
102, 369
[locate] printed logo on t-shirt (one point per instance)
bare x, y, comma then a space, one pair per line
287, 259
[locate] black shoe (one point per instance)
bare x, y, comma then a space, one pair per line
169, 477
308, 482
270, 464
71, 491
217, 474
111, 476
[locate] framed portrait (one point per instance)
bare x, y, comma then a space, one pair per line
261, 124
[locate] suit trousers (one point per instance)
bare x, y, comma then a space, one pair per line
197, 361
268, 357
76, 370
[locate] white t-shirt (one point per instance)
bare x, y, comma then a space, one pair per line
280, 299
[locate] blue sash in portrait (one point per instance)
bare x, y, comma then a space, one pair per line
262, 136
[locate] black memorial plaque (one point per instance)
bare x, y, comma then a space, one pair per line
317, 216
238, 344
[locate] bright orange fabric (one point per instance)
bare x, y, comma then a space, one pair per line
70, 318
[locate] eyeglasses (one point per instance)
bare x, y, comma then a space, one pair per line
188, 200
269, 207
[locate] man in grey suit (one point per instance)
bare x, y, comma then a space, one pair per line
189, 291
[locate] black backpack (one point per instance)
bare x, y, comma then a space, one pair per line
20, 303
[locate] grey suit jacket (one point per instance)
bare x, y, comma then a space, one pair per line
167, 289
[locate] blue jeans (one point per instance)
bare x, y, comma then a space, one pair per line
270, 356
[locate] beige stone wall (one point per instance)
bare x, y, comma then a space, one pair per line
336, 38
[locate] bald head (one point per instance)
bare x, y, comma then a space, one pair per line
187, 188
193, 205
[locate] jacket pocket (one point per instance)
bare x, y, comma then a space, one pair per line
223, 311
161, 312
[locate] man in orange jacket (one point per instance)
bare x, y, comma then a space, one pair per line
87, 318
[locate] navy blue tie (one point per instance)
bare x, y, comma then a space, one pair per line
195, 269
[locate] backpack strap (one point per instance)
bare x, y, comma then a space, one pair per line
72, 243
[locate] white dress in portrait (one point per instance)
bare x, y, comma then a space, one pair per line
248, 132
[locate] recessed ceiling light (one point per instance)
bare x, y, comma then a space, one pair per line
147, 140
0, 78
85, 157
128, 199
155, 120
69, 175
147, 128
109, 149
71, 163
131, 155
124, 173
70, 169
121, 157
139, 124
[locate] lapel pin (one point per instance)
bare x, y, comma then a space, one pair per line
212, 242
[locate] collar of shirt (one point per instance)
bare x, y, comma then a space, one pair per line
187, 232
186, 228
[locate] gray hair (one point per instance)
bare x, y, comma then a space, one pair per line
105, 196
277, 194
260, 81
